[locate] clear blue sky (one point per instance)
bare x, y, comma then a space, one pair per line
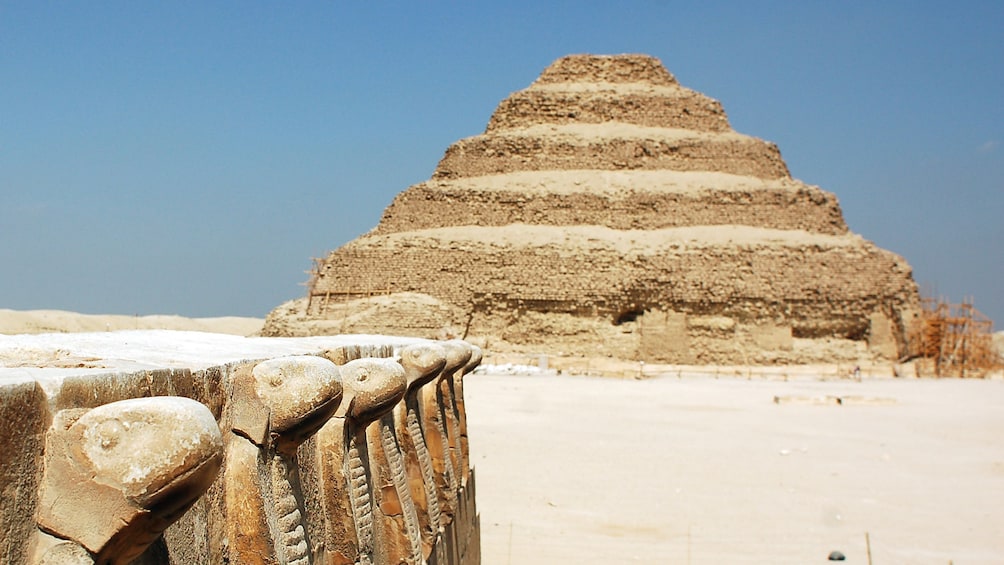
191, 157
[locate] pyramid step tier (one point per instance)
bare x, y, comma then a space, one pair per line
610, 146
615, 199
664, 107
627, 68
820, 285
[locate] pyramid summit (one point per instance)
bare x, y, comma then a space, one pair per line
608, 210
609, 113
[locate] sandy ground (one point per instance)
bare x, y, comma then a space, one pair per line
59, 321
704, 470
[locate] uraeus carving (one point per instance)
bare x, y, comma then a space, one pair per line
438, 420
276, 406
118, 475
399, 536
353, 530
461, 411
422, 363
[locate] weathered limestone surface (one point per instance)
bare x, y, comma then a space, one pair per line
639, 200
24, 418
576, 147
422, 363
116, 476
608, 210
208, 449
278, 404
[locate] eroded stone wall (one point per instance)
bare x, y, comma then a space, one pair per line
236, 462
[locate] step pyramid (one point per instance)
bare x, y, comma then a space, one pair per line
608, 210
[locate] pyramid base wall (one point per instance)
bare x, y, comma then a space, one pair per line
652, 336
674, 338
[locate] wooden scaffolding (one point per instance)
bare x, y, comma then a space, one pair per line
953, 340
318, 300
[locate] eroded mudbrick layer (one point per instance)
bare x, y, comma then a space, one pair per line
608, 210
284, 452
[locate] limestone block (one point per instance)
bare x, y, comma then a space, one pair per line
771, 337
607, 69
422, 363
882, 336
276, 406
117, 475
461, 410
353, 531
568, 148
632, 199
668, 107
664, 338
23, 421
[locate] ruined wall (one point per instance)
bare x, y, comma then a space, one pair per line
233, 462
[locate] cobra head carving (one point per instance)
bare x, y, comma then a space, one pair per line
117, 475
286, 400
458, 353
476, 356
422, 363
372, 387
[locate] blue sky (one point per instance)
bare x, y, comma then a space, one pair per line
191, 157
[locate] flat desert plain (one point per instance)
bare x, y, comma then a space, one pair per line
13, 322
705, 470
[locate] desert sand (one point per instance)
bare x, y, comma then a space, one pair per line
60, 321
704, 470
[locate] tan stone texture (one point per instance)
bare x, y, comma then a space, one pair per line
637, 200
23, 421
118, 475
103, 459
422, 363
607, 210
578, 146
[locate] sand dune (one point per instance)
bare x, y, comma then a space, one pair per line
60, 321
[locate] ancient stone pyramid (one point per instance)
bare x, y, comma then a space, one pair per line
607, 210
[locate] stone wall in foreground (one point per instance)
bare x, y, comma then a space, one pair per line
330, 450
